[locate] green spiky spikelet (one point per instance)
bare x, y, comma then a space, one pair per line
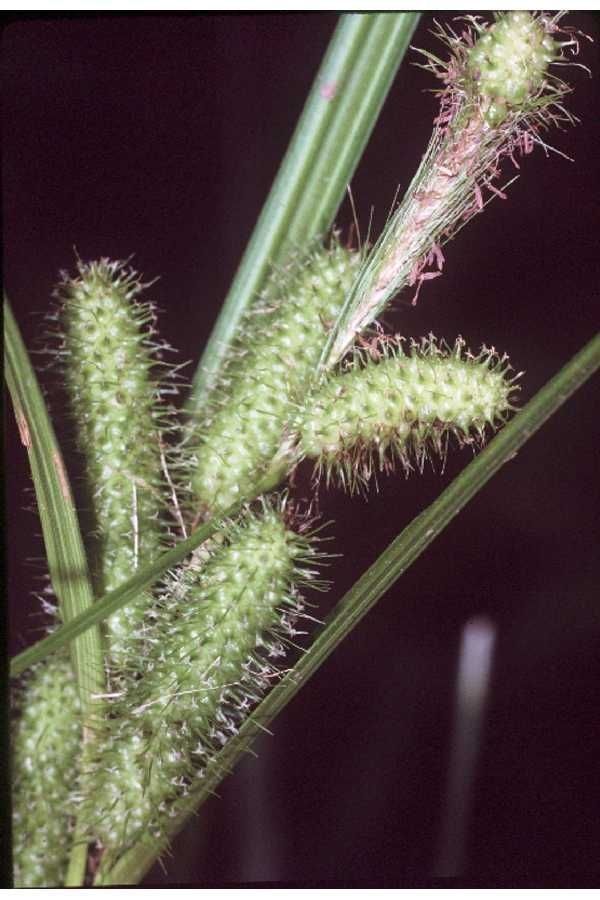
268, 373
45, 751
108, 360
508, 64
208, 657
402, 405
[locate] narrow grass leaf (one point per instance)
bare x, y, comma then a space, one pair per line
67, 562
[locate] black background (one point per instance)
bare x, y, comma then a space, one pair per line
160, 136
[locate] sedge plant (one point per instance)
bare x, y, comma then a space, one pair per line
202, 557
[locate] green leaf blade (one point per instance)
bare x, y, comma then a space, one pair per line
67, 562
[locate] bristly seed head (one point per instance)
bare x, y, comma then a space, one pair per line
206, 656
509, 63
109, 359
46, 743
504, 68
267, 374
391, 406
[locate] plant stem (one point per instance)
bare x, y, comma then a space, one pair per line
340, 112
77, 864
392, 563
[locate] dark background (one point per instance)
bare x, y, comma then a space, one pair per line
160, 136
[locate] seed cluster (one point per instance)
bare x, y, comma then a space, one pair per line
108, 362
226, 618
508, 63
45, 750
268, 374
401, 406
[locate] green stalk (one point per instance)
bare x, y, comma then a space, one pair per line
392, 563
77, 863
349, 90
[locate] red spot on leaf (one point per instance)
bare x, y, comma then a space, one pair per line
328, 90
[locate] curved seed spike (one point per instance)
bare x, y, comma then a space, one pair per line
207, 655
268, 373
108, 359
390, 406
